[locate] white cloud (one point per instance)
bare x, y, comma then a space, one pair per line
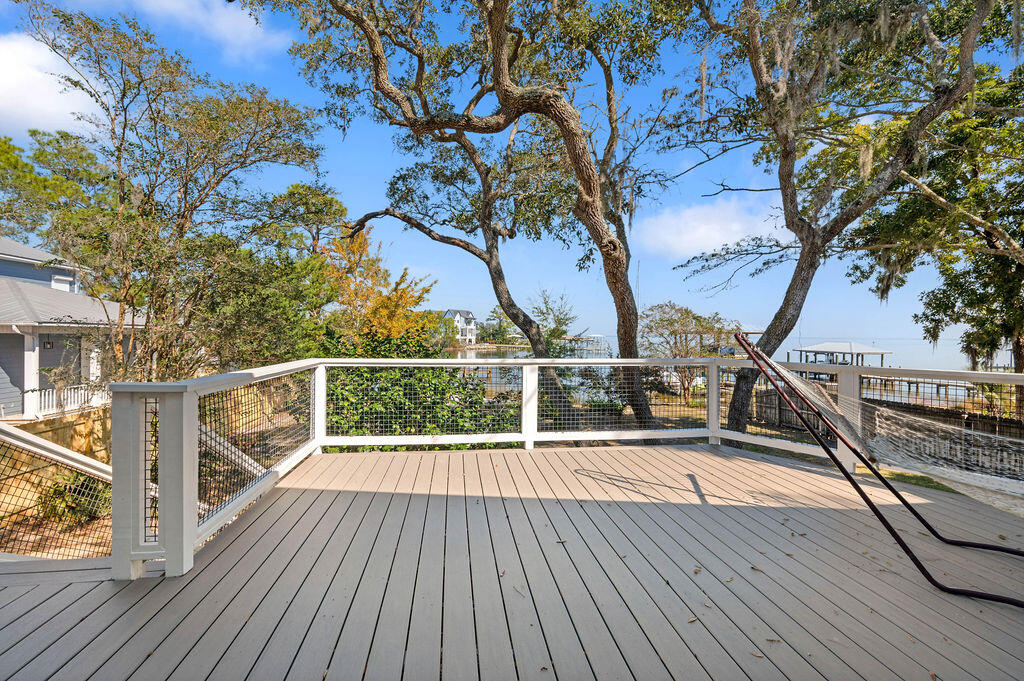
229, 25
30, 97
685, 230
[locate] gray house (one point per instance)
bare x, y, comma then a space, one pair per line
43, 323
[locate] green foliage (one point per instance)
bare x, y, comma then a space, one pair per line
157, 199
413, 400
975, 164
75, 498
497, 328
556, 316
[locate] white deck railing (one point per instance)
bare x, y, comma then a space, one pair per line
54, 401
253, 426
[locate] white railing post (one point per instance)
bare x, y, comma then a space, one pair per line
319, 404
179, 486
848, 379
530, 397
30, 377
128, 491
714, 397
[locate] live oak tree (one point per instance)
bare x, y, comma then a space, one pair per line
834, 99
959, 208
672, 330
464, 194
525, 64
154, 200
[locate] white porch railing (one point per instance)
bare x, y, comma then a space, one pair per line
53, 400
222, 441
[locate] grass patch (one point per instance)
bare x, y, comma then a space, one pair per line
910, 479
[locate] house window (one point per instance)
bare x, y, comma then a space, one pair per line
62, 283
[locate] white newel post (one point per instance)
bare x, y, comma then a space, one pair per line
849, 397
530, 397
179, 485
30, 387
714, 395
319, 404
128, 492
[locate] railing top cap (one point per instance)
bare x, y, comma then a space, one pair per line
208, 384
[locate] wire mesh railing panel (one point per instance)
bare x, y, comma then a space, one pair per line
389, 401
245, 432
971, 426
769, 415
50, 510
150, 468
616, 398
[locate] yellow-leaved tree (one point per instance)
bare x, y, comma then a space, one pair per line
369, 299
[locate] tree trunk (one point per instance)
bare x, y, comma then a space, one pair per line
779, 328
550, 382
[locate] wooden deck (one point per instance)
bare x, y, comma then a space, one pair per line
637, 563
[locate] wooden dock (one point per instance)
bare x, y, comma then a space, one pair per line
642, 563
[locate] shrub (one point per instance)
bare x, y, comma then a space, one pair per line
75, 498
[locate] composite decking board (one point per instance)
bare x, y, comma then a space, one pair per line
41, 566
910, 586
422, 659
544, 639
231, 601
83, 631
33, 643
390, 632
494, 640
830, 482
350, 651
458, 633
723, 650
827, 625
289, 563
901, 619
860, 521
33, 599
677, 652
741, 633
312, 659
934, 628
688, 651
219, 555
68, 577
606, 658
123, 614
564, 544
880, 638
862, 526
361, 569
16, 629
911, 591
279, 650
13, 593
689, 543
297, 599
997, 561
157, 638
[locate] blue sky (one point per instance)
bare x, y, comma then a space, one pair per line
222, 40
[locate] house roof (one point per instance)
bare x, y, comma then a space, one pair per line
848, 347
35, 304
463, 313
15, 250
